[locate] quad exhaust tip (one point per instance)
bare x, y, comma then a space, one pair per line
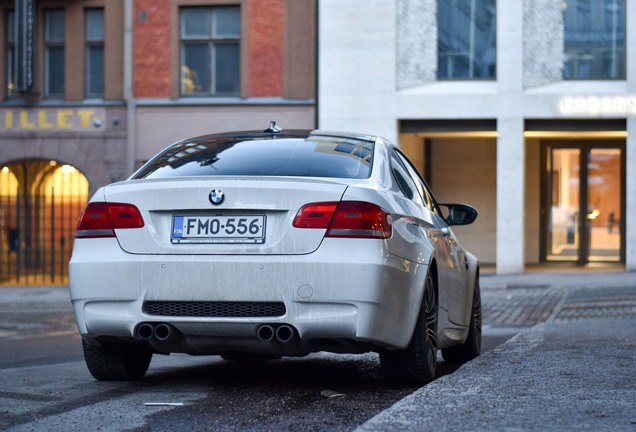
145, 331
265, 333
162, 332
284, 333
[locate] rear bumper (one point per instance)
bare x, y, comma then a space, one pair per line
352, 289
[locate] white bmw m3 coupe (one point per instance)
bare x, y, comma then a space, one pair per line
275, 243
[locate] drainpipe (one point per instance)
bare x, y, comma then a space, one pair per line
131, 104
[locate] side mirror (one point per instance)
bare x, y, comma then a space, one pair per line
460, 214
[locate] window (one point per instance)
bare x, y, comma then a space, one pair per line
95, 52
11, 78
312, 156
403, 179
210, 51
54, 52
416, 179
594, 39
466, 39
420, 184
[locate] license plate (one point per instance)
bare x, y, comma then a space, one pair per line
218, 229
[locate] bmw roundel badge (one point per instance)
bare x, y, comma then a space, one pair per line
217, 196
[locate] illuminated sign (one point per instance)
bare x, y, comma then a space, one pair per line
85, 120
599, 105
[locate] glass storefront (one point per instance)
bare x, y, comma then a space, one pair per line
585, 197
466, 39
594, 39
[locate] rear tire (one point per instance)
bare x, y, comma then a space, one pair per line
117, 362
416, 365
472, 347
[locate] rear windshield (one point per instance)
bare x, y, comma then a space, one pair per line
304, 157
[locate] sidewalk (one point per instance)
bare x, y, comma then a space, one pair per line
573, 371
36, 297
558, 280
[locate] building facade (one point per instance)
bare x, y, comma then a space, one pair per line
92, 89
525, 109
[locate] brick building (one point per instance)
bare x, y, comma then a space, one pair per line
91, 89
268, 54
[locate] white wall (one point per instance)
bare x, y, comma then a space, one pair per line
356, 66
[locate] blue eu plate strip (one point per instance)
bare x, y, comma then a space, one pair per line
177, 227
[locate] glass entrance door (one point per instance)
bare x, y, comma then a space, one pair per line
565, 203
583, 203
604, 195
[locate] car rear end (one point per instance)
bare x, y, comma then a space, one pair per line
249, 244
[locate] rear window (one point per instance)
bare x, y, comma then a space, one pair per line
305, 157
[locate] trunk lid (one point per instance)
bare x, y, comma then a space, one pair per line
275, 201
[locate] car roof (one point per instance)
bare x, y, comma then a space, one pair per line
287, 133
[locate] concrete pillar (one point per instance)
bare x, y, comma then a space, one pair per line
630, 205
510, 196
510, 142
630, 216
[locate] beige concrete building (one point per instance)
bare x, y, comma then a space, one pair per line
524, 109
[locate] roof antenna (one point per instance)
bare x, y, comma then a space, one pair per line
272, 128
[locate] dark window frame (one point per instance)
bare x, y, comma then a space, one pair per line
211, 42
88, 43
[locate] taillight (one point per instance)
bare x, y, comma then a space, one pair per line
101, 219
125, 216
360, 220
353, 219
316, 215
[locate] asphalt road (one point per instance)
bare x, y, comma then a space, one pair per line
44, 383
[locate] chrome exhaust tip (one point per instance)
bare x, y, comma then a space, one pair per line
284, 333
265, 333
162, 332
145, 331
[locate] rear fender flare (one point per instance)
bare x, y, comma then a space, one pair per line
420, 297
